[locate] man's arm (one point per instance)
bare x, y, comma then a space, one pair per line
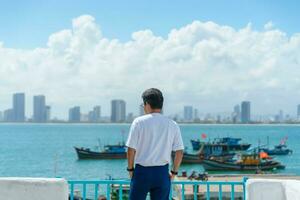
130, 159
177, 162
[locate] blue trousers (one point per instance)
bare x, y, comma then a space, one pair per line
155, 180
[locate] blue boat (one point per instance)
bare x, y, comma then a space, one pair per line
221, 145
110, 152
280, 149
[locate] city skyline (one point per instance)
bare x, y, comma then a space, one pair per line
239, 113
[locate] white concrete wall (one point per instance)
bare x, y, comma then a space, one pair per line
33, 189
273, 189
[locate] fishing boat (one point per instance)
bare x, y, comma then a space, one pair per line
280, 149
205, 152
252, 162
226, 144
110, 152
189, 158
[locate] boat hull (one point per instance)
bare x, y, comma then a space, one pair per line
196, 159
213, 165
232, 147
88, 154
277, 152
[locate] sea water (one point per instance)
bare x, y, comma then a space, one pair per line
47, 150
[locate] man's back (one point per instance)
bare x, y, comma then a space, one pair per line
151, 140
154, 136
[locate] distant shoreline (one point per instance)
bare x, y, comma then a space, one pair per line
128, 123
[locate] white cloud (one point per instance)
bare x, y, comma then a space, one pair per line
269, 25
205, 64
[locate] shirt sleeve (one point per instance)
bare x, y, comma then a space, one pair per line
133, 136
177, 143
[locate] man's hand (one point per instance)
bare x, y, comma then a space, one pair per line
172, 176
130, 175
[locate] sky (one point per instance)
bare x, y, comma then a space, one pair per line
208, 54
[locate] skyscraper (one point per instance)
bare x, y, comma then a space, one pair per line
74, 114
246, 112
39, 109
141, 110
118, 110
48, 113
8, 115
18, 107
298, 111
188, 113
196, 114
95, 114
236, 116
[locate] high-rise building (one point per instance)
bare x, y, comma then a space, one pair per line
91, 116
8, 115
95, 114
48, 113
130, 117
298, 111
188, 113
118, 110
18, 107
246, 112
74, 114
1, 116
141, 110
39, 109
281, 116
236, 115
196, 113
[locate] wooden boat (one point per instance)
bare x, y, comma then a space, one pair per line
189, 158
225, 144
194, 158
110, 152
280, 149
251, 162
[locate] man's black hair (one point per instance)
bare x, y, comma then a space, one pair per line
154, 98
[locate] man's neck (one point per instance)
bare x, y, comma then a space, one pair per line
154, 111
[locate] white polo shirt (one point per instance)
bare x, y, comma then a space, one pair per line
154, 137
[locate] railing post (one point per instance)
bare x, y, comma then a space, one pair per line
195, 191
96, 190
72, 192
120, 191
182, 192
207, 192
84, 191
244, 186
108, 191
220, 192
232, 191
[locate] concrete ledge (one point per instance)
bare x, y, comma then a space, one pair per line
33, 188
275, 189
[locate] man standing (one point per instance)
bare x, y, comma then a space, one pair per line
151, 140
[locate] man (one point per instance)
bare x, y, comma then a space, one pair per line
151, 140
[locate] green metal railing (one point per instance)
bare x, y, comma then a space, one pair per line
117, 186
